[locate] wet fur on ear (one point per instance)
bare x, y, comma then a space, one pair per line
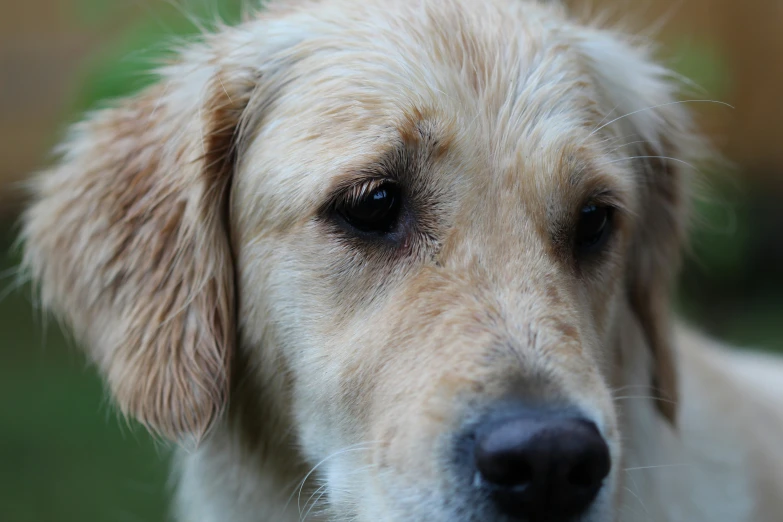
639, 99
127, 240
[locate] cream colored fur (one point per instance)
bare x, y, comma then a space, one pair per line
187, 238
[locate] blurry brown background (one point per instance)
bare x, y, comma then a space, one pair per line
44, 48
63, 454
45, 44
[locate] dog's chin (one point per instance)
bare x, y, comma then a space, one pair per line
602, 510
599, 513
424, 507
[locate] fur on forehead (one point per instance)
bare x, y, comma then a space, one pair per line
507, 87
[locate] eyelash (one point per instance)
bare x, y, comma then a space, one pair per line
357, 191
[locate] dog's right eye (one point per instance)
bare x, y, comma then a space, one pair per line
593, 229
372, 209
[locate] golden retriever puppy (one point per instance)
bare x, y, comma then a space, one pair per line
407, 260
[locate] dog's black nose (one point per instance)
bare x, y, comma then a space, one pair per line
541, 467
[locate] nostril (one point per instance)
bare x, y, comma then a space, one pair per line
520, 475
589, 462
507, 474
583, 474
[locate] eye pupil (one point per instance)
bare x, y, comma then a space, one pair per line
593, 227
377, 211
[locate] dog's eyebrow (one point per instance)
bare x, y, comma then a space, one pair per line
394, 162
425, 134
402, 160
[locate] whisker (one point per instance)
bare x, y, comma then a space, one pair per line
361, 446
605, 117
627, 144
602, 126
668, 158
636, 386
658, 466
320, 492
637, 497
650, 397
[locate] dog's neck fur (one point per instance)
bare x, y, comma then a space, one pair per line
238, 474
682, 472
226, 480
249, 468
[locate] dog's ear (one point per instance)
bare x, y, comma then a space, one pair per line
638, 99
127, 237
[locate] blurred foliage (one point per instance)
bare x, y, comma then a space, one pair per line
701, 66
66, 456
732, 284
125, 64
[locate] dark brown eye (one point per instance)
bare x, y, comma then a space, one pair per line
375, 211
593, 229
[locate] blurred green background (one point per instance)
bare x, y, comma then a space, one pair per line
64, 454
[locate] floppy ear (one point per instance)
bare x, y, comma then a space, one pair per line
639, 100
127, 239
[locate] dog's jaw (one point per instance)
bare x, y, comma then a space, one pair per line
225, 479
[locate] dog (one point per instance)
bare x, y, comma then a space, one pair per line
407, 260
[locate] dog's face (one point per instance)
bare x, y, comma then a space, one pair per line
416, 228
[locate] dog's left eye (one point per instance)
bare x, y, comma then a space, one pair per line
594, 227
375, 210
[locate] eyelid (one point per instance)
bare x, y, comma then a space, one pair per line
605, 198
353, 190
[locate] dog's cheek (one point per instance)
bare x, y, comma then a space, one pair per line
285, 358
605, 323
